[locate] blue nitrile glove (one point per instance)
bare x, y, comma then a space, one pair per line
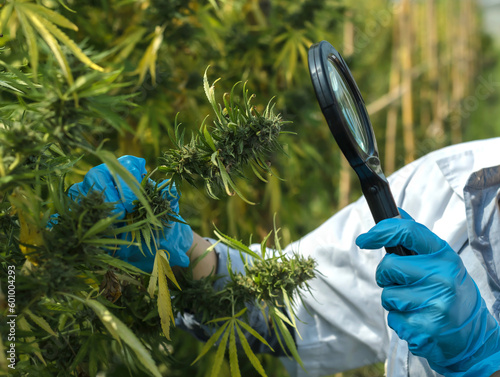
432, 301
177, 238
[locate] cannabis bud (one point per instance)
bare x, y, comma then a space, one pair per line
240, 136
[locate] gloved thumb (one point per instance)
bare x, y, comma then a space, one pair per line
408, 233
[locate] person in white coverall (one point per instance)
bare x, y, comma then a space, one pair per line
432, 314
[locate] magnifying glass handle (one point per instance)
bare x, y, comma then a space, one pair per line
382, 205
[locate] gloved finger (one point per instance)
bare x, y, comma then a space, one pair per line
137, 167
406, 298
404, 214
410, 326
417, 330
76, 190
405, 270
408, 233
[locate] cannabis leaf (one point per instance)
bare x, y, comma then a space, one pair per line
162, 271
34, 17
148, 60
121, 332
232, 326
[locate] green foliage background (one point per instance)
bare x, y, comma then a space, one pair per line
154, 54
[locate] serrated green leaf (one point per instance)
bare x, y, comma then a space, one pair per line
30, 36
111, 117
233, 353
120, 332
255, 170
82, 352
99, 226
228, 182
238, 245
288, 305
153, 280
209, 139
148, 60
248, 351
109, 242
275, 326
254, 333
127, 42
41, 322
282, 316
211, 341
167, 269
118, 263
219, 355
49, 14
146, 235
55, 48
290, 343
53, 45
263, 244
210, 94
64, 39
8, 86
93, 359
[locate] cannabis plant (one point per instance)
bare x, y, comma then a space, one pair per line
76, 309
271, 283
105, 306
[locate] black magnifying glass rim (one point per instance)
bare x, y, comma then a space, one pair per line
319, 56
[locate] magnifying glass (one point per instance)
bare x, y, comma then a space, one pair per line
346, 115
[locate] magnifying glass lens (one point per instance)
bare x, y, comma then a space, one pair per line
344, 97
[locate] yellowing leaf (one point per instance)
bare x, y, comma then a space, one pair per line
167, 269
53, 45
164, 303
31, 42
148, 60
24, 325
120, 331
153, 280
127, 42
68, 42
5, 15
49, 14
30, 235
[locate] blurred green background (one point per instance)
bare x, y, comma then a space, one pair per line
427, 69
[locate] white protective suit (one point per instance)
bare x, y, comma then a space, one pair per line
454, 192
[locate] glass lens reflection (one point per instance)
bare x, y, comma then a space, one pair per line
345, 99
